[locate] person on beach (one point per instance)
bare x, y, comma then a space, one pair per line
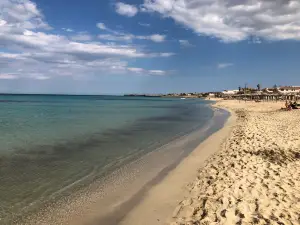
286, 104
294, 105
289, 105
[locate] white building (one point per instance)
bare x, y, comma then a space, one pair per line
289, 90
230, 92
269, 90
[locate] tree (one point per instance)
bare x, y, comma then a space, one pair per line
258, 87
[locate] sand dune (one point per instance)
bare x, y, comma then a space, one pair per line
255, 177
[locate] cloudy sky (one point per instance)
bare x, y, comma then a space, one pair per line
143, 46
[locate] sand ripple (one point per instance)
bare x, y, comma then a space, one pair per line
255, 178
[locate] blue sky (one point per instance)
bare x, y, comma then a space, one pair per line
147, 46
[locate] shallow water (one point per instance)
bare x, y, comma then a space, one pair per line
51, 144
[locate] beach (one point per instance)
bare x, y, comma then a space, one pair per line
163, 199
91, 159
251, 174
149, 112
246, 171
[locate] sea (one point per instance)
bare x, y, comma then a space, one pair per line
53, 146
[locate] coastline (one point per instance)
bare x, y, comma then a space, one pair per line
247, 172
109, 202
255, 177
159, 202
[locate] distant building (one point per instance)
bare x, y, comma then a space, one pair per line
230, 92
269, 90
289, 90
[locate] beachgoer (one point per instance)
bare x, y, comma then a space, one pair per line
286, 104
294, 105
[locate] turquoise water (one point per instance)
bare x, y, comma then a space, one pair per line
50, 145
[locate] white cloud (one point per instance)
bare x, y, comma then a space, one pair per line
233, 20
2, 22
144, 24
147, 72
157, 38
224, 65
40, 77
130, 37
67, 29
8, 77
111, 37
166, 54
29, 51
157, 72
126, 9
256, 40
82, 37
120, 36
44, 66
24, 13
185, 43
101, 26
136, 70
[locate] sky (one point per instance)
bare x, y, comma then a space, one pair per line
147, 46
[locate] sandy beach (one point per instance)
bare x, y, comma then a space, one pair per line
252, 177
163, 199
111, 198
255, 177
248, 172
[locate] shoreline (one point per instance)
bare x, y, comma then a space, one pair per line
162, 198
255, 177
111, 201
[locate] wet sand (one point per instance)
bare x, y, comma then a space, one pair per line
160, 201
111, 201
247, 173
